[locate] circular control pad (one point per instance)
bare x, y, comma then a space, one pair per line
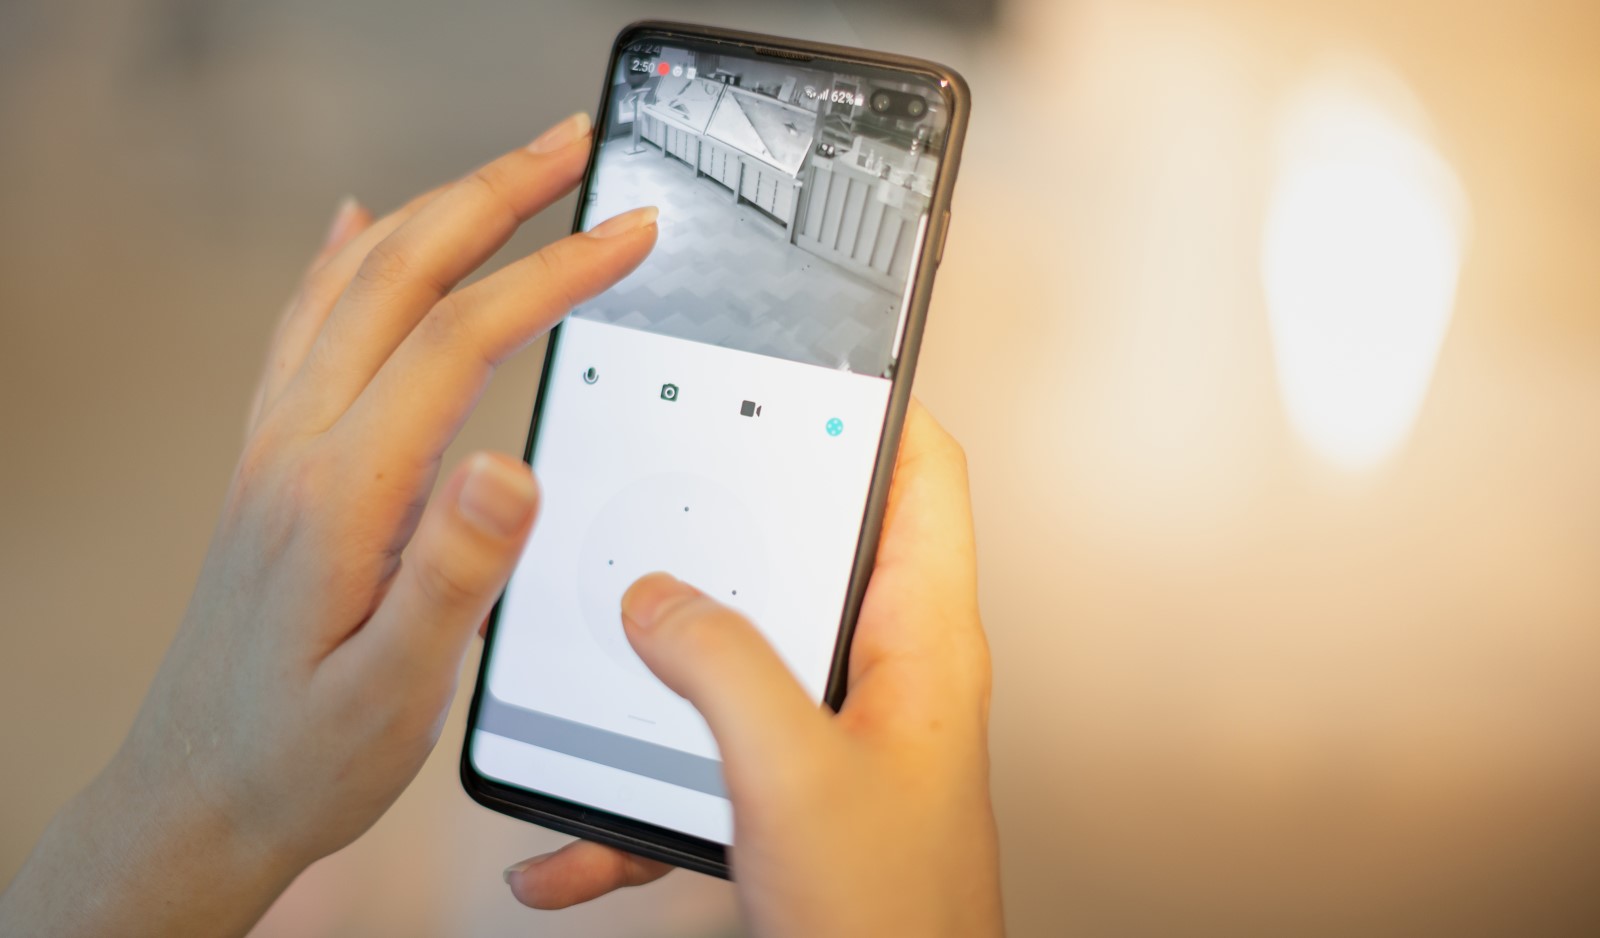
683, 524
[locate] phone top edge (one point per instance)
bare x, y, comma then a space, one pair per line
960, 92
953, 85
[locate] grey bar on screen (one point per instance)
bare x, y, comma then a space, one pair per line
601, 746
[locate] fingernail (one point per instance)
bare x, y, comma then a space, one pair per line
498, 497
516, 868
652, 596
568, 131
343, 217
624, 223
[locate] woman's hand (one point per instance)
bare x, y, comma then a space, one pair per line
872, 822
314, 665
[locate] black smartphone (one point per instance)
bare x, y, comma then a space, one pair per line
729, 413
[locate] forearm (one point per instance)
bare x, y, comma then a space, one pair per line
122, 859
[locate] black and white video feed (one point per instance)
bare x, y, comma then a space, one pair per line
791, 202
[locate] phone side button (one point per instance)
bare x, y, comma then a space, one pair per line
944, 231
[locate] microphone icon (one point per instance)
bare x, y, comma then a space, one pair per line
591, 376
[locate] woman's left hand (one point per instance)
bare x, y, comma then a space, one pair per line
311, 674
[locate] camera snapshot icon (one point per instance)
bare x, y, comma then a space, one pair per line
669, 392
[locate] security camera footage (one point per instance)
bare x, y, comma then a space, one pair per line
791, 202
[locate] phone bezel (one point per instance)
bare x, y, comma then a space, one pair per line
640, 837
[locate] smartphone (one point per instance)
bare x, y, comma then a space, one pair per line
729, 413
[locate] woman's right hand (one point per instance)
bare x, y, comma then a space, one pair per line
875, 821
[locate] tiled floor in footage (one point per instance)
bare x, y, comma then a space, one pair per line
726, 274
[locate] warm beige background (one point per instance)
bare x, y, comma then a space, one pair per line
1237, 692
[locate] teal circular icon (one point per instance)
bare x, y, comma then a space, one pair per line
835, 426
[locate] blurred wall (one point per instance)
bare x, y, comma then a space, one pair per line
1238, 690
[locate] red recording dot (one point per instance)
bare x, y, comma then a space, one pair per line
662, 68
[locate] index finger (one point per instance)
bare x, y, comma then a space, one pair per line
403, 420
404, 275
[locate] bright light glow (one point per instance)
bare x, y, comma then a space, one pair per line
1361, 252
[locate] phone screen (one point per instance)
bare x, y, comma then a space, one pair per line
717, 414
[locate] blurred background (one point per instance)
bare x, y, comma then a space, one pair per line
1272, 330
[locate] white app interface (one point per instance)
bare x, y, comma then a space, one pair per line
716, 415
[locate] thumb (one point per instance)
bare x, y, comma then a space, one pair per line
713, 657
464, 551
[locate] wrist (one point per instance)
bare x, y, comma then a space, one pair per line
161, 817
137, 853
